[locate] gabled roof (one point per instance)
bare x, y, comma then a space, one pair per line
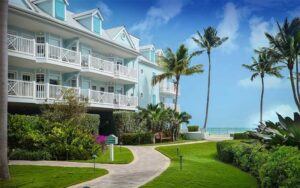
40, 1
147, 47
87, 13
113, 33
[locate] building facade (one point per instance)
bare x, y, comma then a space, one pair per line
51, 49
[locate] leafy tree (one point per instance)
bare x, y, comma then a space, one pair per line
207, 42
285, 46
263, 65
177, 118
176, 65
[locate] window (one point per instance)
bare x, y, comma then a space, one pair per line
26, 77
142, 95
110, 89
40, 78
12, 75
73, 82
40, 39
102, 89
142, 71
153, 99
60, 9
96, 24
94, 88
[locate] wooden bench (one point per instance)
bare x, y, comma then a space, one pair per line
161, 136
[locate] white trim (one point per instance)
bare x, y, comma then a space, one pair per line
88, 13
127, 36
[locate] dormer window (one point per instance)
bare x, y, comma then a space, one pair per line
92, 20
54, 8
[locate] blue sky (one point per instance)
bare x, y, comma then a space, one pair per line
169, 23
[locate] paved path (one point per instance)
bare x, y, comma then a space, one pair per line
148, 164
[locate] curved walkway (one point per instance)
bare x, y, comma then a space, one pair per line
148, 164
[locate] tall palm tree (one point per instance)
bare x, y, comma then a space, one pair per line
207, 42
285, 46
175, 65
4, 172
263, 65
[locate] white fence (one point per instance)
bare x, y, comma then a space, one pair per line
20, 44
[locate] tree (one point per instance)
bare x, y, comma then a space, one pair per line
177, 118
263, 65
207, 42
285, 46
4, 172
176, 65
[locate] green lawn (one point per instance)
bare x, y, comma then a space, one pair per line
200, 169
46, 176
122, 156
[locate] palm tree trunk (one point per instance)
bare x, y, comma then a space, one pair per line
293, 89
176, 92
208, 91
261, 99
297, 78
4, 172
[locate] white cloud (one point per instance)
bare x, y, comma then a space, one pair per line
229, 27
258, 28
270, 83
156, 16
270, 114
104, 9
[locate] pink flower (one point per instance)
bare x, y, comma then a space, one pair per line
100, 139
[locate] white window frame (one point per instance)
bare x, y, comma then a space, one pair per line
28, 74
14, 72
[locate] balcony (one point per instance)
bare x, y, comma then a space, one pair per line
110, 100
54, 56
168, 89
97, 66
32, 92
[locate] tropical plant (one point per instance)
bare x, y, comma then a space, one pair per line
175, 65
177, 118
263, 65
4, 172
285, 46
207, 42
284, 132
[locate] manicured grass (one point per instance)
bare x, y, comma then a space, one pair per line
46, 176
122, 156
200, 169
169, 142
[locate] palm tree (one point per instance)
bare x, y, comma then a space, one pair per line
207, 42
262, 66
176, 65
177, 119
285, 46
156, 117
4, 172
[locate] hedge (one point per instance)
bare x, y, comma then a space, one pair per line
20, 154
193, 128
279, 167
240, 136
137, 138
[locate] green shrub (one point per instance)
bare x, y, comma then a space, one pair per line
193, 128
240, 136
91, 121
136, 138
282, 169
224, 151
20, 154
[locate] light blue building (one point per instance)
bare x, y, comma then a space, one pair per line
52, 49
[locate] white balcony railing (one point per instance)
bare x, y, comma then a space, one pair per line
124, 71
45, 51
168, 88
33, 90
20, 44
97, 64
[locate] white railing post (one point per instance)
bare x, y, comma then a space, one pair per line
47, 91
89, 61
46, 50
34, 90
89, 94
34, 48
79, 58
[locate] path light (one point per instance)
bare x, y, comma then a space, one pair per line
94, 157
177, 150
181, 161
120, 144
